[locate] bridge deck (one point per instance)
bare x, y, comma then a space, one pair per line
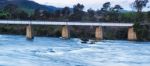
66, 23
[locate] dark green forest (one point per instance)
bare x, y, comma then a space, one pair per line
77, 13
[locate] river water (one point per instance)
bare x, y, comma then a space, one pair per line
15, 50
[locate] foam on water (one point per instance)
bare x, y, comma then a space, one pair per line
46, 51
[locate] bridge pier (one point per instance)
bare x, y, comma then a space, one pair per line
29, 32
65, 32
131, 34
99, 33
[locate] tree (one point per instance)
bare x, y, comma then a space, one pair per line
23, 15
106, 6
12, 10
128, 17
91, 12
141, 30
78, 13
91, 15
57, 13
4, 15
38, 14
105, 10
148, 16
140, 4
66, 12
78, 8
117, 8
46, 15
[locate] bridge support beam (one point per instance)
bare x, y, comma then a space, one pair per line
65, 32
99, 33
131, 34
29, 32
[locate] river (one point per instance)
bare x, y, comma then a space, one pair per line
15, 50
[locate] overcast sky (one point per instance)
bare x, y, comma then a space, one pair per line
94, 4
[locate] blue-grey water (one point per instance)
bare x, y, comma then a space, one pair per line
47, 51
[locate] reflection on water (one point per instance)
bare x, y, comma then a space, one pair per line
46, 51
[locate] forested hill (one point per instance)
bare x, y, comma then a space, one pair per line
26, 5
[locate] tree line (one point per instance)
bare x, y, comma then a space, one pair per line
141, 24
77, 13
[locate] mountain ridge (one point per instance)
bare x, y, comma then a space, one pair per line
27, 4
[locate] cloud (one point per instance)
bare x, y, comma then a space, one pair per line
94, 4
59, 3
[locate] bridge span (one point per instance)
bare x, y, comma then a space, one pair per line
65, 32
66, 23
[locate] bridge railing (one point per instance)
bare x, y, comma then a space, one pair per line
64, 23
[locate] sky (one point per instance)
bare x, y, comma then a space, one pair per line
94, 4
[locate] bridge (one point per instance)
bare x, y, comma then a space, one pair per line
65, 31
66, 23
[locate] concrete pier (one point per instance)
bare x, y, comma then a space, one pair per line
131, 34
65, 32
29, 34
99, 33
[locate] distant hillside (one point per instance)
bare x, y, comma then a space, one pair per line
27, 5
